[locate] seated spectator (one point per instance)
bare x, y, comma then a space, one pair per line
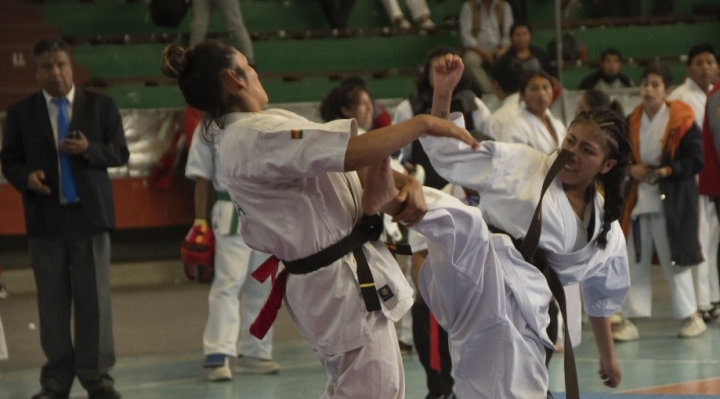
380, 116
348, 101
507, 74
485, 32
534, 125
233, 21
608, 76
337, 12
531, 58
418, 8
594, 99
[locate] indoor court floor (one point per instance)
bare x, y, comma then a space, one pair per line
158, 333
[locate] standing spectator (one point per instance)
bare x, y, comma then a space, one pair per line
710, 190
418, 8
227, 331
702, 75
661, 210
532, 58
485, 32
507, 75
608, 75
68, 201
233, 20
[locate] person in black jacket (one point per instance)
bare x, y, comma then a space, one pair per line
530, 57
55, 151
608, 75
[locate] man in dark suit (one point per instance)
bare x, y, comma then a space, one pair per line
56, 148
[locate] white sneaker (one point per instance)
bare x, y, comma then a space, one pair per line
253, 365
692, 326
427, 24
220, 373
625, 331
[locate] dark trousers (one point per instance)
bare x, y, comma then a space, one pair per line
72, 273
337, 12
438, 383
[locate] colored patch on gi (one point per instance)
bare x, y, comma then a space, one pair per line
385, 293
296, 134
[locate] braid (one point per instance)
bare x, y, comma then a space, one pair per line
616, 131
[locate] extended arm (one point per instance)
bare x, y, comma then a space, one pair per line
609, 368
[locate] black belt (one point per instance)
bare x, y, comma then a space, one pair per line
369, 229
528, 247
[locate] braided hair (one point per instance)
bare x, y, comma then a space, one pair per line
616, 133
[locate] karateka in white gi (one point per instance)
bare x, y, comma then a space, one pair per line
295, 185
496, 311
235, 298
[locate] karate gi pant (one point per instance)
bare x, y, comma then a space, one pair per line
3, 345
372, 371
706, 274
235, 300
418, 8
406, 323
653, 235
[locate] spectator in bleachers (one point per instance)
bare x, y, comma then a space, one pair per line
608, 75
595, 98
531, 57
380, 116
702, 71
337, 12
56, 150
418, 8
233, 21
507, 76
485, 33
534, 125
659, 211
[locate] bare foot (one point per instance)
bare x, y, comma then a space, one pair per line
379, 187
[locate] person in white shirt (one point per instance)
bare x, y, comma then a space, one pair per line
702, 75
295, 185
507, 76
661, 210
496, 310
485, 33
535, 125
227, 332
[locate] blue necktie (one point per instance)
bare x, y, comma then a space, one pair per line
67, 183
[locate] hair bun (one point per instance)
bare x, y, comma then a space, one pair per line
174, 61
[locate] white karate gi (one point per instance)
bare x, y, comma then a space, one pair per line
508, 111
706, 274
528, 129
229, 318
286, 176
649, 214
3, 345
496, 312
481, 116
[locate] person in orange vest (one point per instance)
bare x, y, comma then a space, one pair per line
661, 211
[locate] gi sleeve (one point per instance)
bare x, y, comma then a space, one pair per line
288, 149
482, 119
200, 162
458, 163
605, 290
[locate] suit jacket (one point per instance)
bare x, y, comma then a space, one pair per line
29, 145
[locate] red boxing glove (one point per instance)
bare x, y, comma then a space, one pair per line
198, 252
